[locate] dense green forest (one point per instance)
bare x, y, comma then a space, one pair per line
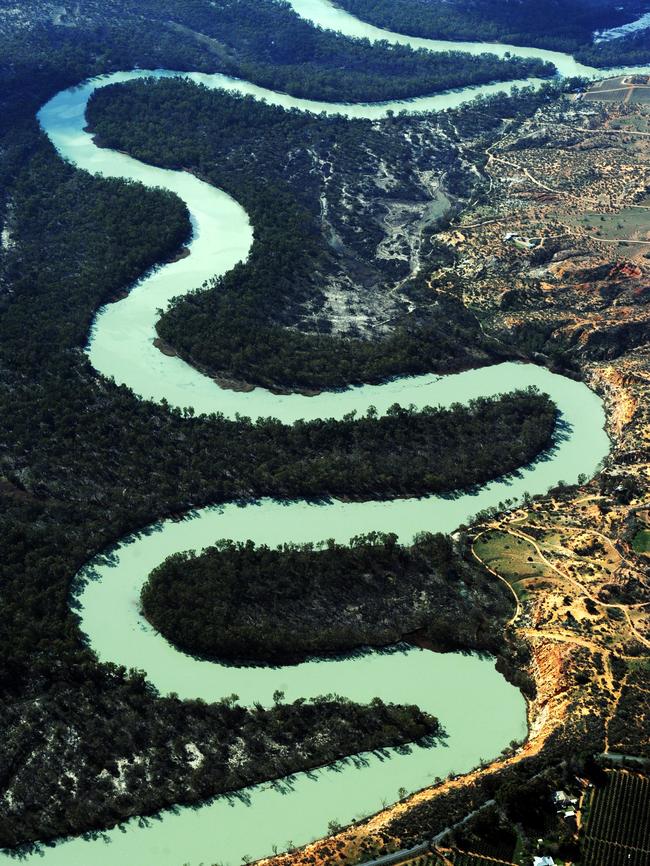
414, 453
630, 727
233, 329
274, 47
243, 602
238, 327
561, 25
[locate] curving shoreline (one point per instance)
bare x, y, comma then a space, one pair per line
115, 583
325, 14
122, 346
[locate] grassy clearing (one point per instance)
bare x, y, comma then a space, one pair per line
513, 558
628, 224
641, 541
635, 123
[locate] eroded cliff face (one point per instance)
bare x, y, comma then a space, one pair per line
625, 392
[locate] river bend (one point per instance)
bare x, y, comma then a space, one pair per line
121, 346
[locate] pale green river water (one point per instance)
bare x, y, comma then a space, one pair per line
479, 710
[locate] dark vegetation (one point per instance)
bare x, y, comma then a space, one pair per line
267, 43
512, 806
561, 25
488, 833
432, 451
239, 601
157, 227
523, 792
629, 729
260, 40
82, 462
523, 807
135, 761
238, 328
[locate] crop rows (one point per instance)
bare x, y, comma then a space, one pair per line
598, 853
423, 860
618, 828
499, 850
459, 859
427, 859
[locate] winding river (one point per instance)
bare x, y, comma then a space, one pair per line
121, 346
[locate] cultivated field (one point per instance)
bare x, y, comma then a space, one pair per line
617, 829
